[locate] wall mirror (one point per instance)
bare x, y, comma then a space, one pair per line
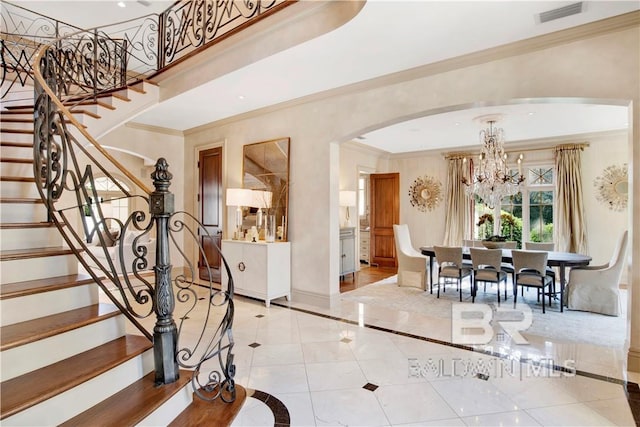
265, 167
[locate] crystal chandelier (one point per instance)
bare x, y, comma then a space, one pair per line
492, 180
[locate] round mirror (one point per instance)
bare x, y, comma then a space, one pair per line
622, 187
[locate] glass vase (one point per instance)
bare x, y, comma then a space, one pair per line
270, 228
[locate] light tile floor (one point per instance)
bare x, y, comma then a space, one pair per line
318, 368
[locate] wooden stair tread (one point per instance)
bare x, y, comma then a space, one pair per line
201, 413
16, 119
32, 287
17, 178
7, 225
120, 97
21, 200
18, 107
16, 144
23, 333
132, 404
88, 113
16, 110
90, 102
15, 254
37, 386
16, 160
20, 131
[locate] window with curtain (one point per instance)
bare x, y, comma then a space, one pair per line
525, 216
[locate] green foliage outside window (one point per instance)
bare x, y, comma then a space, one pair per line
545, 236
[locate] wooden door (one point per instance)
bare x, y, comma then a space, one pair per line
385, 211
210, 198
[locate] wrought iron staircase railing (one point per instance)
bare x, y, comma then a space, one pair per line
72, 67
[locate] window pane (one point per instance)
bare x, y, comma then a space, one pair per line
541, 216
540, 176
511, 218
483, 223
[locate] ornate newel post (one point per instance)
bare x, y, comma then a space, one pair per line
165, 332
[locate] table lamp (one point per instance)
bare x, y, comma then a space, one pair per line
347, 199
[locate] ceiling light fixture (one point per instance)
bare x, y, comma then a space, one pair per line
122, 4
493, 180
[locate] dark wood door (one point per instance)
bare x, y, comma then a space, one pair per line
385, 211
210, 198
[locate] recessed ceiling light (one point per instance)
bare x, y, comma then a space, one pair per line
531, 113
457, 123
122, 4
240, 97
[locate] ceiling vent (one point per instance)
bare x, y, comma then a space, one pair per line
561, 12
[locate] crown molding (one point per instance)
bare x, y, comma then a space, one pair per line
569, 35
512, 147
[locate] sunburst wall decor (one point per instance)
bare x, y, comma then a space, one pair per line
612, 187
425, 193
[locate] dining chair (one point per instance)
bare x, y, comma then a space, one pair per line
597, 288
412, 265
539, 246
530, 271
487, 267
450, 267
543, 246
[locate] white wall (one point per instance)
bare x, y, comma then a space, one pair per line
604, 225
564, 69
426, 228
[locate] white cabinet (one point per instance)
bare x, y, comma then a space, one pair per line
260, 270
364, 246
347, 251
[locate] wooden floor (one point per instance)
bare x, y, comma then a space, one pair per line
365, 276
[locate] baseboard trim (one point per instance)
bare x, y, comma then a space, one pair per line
633, 360
314, 298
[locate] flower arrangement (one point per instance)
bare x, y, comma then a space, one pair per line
485, 223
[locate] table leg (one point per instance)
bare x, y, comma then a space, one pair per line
431, 274
562, 283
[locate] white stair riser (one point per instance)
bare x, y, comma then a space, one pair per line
8, 125
24, 238
38, 268
15, 137
125, 111
16, 152
26, 358
23, 212
171, 408
66, 405
20, 190
16, 169
16, 310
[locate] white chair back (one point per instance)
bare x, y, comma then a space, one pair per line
539, 246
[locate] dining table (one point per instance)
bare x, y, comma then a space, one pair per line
561, 260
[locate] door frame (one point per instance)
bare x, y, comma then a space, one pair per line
361, 169
196, 186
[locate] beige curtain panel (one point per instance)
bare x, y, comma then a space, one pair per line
569, 223
457, 216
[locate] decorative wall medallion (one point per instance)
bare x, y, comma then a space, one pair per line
425, 193
612, 187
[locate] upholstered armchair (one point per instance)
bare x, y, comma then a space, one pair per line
412, 265
596, 288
